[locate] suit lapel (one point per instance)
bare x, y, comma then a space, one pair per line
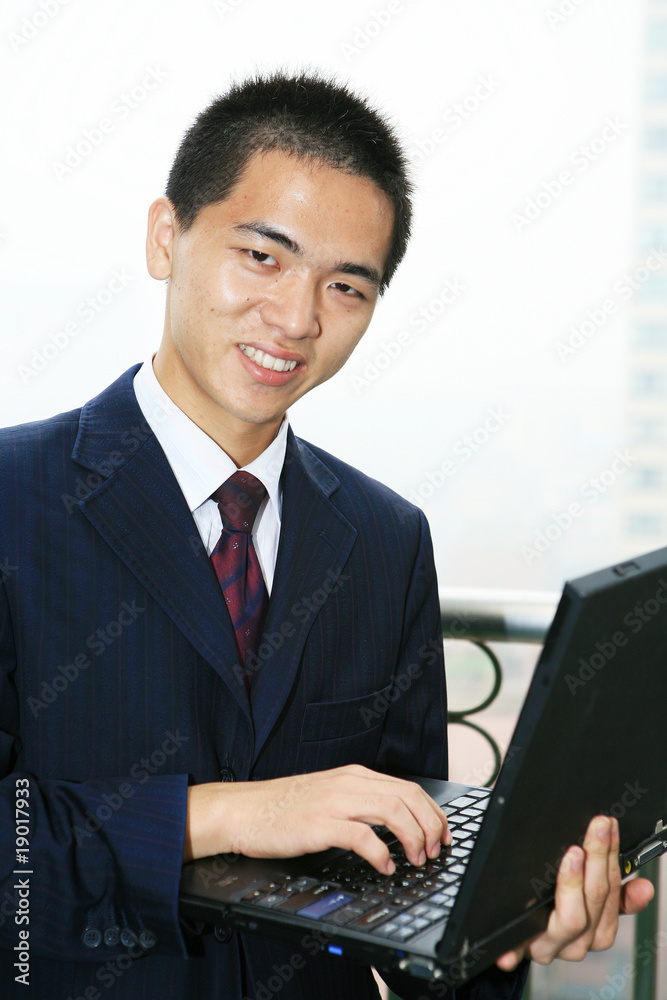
141, 513
315, 543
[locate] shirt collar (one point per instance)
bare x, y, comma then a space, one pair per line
199, 464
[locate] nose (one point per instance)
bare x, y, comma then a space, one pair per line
292, 306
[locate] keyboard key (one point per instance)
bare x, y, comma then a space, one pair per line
461, 802
386, 930
300, 900
403, 933
345, 915
251, 896
270, 900
374, 917
326, 905
430, 913
442, 900
419, 923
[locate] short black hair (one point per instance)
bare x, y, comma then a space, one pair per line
305, 115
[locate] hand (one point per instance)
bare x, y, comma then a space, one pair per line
589, 898
304, 813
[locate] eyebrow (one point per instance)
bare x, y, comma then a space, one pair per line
370, 274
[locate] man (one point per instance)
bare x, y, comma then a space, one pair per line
152, 710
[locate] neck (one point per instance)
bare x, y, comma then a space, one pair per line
241, 439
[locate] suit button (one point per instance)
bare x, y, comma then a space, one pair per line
226, 774
147, 940
112, 936
92, 937
128, 938
222, 934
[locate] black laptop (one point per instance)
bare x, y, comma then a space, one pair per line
588, 741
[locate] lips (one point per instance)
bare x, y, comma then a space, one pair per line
268, 361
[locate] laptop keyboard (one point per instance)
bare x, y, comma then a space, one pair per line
350, 892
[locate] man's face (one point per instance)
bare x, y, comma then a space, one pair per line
270, 290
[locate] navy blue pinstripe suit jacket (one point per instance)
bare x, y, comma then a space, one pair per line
119, 685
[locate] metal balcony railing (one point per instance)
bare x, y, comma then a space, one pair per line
483, 616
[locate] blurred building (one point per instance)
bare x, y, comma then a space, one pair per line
644, 512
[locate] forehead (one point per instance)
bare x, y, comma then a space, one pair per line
328, 212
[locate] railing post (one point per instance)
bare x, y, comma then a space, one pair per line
646, 924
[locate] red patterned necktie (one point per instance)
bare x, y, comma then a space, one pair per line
235, 560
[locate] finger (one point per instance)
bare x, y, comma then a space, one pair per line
597, 847
566, 921
405, 808
510, 959
597, 850
361, 839
417, 826
569, 919
416, 793
636, 895
604, 933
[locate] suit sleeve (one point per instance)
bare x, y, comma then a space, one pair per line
83, 858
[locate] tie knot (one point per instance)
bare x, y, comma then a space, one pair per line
239, 499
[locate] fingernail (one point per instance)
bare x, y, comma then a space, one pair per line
422, 858
390, 867
434, 851
576, 861
603, 830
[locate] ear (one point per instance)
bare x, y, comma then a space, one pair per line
160, 237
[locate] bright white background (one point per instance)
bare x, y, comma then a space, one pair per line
550, 88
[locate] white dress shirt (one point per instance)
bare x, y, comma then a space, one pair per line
201, 466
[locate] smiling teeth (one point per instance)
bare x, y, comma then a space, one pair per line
265, 360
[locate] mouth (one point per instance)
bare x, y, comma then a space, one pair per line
268, 361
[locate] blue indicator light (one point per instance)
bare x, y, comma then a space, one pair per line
335, 949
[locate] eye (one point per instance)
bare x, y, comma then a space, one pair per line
262, 258
347, 289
